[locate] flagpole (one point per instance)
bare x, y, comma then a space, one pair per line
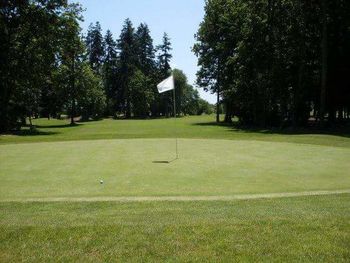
177, 155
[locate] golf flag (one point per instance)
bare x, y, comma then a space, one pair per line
165, 85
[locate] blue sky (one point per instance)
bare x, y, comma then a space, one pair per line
179, 18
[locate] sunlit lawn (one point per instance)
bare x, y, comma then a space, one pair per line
302, 229
186, 127
64, 161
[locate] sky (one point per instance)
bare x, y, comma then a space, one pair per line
179, 18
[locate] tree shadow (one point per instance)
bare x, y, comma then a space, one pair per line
60, 126
341, 130
33, 133
81, 121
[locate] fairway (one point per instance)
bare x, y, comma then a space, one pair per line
296, 191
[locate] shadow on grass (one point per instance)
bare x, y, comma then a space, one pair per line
28, 132
343, 130
165, 161
58, 126
81, 121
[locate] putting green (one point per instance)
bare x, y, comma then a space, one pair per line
134, 167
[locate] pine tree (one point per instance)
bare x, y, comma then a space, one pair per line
164, 56
163, 65
147, 65
145, 49
110, 72
127, 65
94, 45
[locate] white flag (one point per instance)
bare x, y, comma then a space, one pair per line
165, 85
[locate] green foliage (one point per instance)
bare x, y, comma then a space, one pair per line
31, 36
145, 50
71, 63
46, 64
109, 73
204, 107
94, 44
264, 58
164, 56
142, 94
92, 99
127, 66
188, 101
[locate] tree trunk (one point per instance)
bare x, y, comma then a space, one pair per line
72, 112
128, 109
324, 62
218, 106
30, 122
228, 113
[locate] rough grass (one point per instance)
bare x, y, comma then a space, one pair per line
302, 229
63, 161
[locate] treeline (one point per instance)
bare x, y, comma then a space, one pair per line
48, 68
277, 63
131, 67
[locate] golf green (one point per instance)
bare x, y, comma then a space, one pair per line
136, 167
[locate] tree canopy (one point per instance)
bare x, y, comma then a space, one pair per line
277, 62
49, 68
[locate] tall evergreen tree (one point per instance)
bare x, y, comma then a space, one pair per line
127, 65
147, 65
94, 44
164, 56
163, 63
145, 49
110, 72
79, 84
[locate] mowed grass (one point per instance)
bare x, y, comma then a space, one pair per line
202, 127
69, 162
134, 167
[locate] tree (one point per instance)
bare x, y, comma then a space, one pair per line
163, 64
188, 101
92, 100
32, 35
164, 56
210, 48
263, 59
71, 62
95, 49
110, 72
142, 94
145, 50
127, 64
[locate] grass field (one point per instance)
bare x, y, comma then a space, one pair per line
53, 207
